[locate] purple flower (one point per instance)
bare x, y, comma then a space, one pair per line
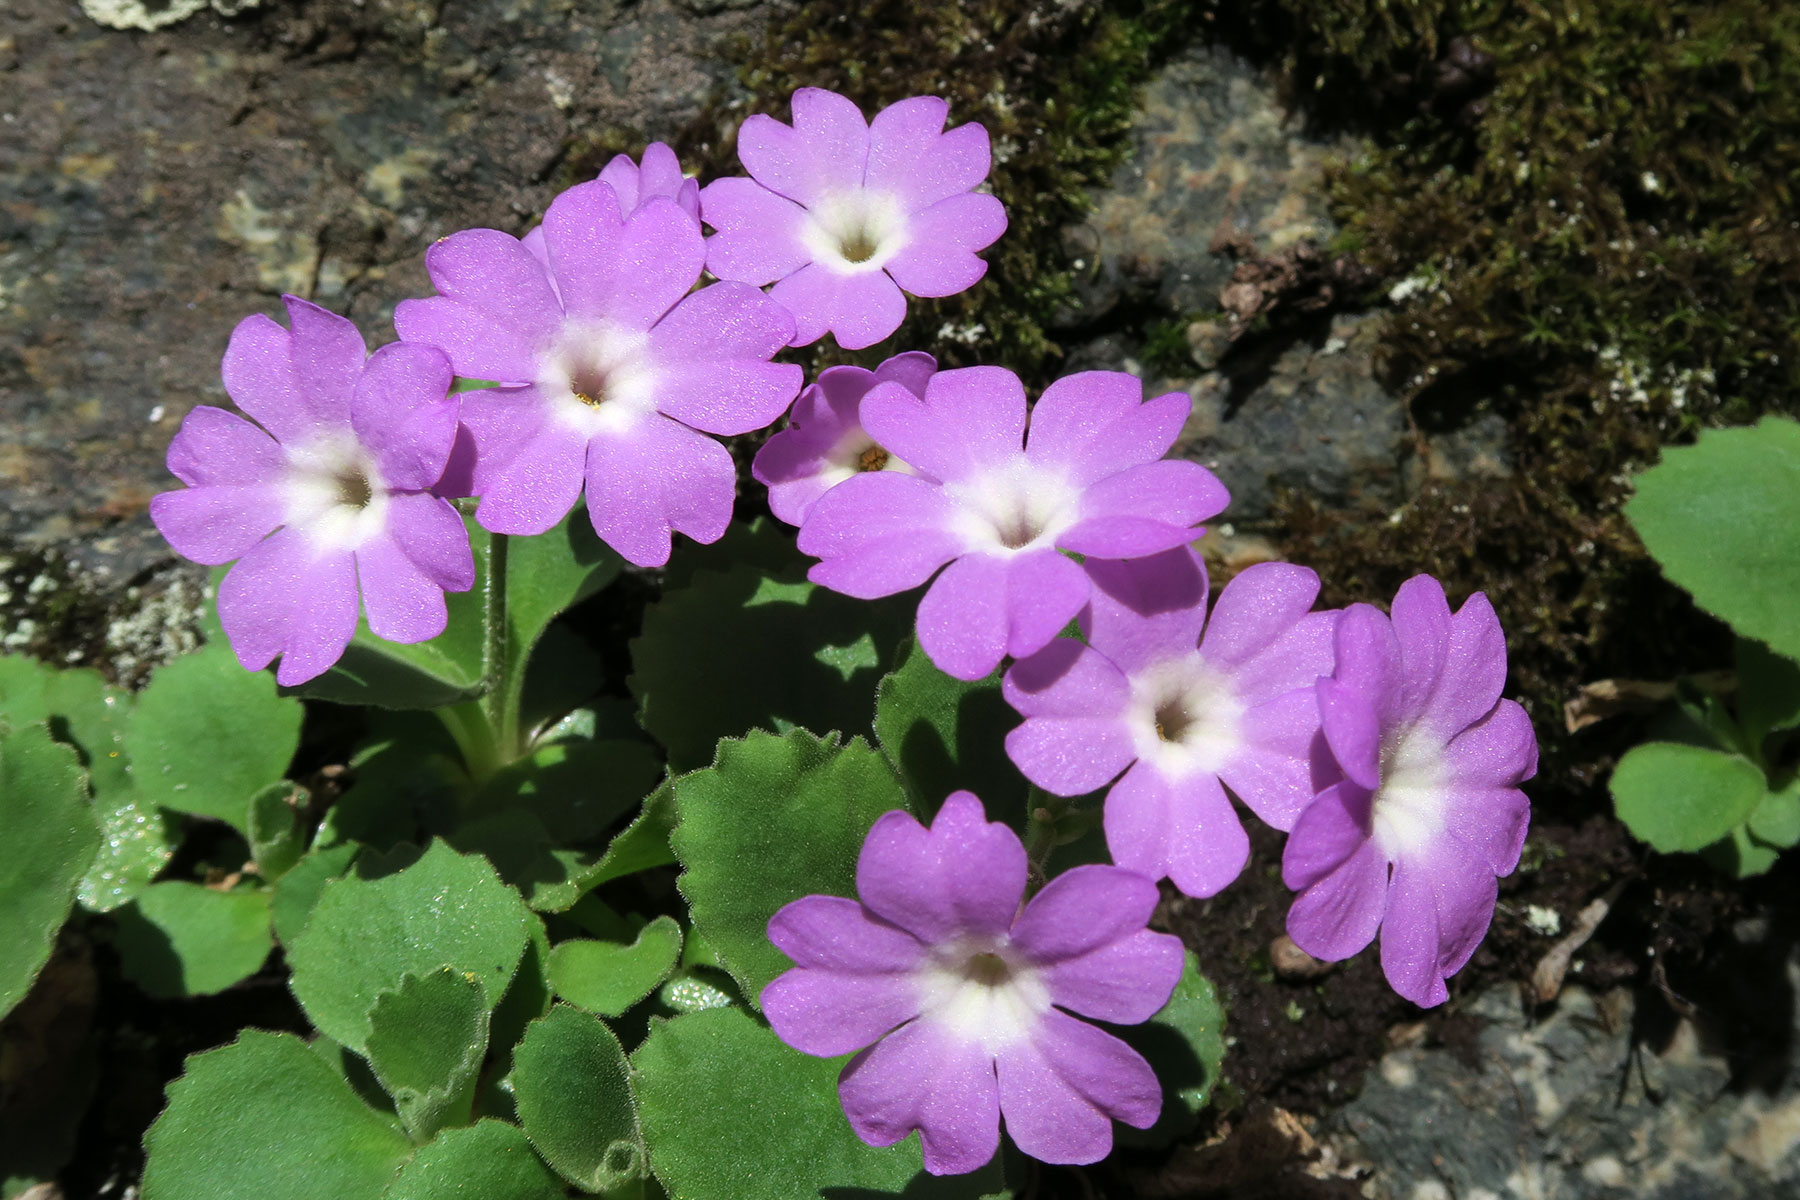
1088, 481
842, 214
1185, 712
610, 370
825, 442
329, 495
636, 186
1429, 812
959, 997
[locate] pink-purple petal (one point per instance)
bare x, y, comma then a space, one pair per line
537, 484
1125, 981
1125, 537
433, 535
963, 620
865, 308
939, 256
964, 873
289, 598
727, 396
1255, 609
1173, 491
879, 533
1207, 845
824, 151
758, 239
921, 1077
1146, 610
656, 478
1082, 909
1061, 1090
215, 523
403, 603
828, 1013
495, 275
402, 413
1353, 730
1369, 662
911, 157
970, 418
1282, 762
1410, 946
214, 446
722, 322
1337, 916
261, 379
837, 934
479, 343
1044, 591
1097, 423
1491, 823
1332, 828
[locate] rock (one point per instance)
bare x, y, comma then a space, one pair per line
159, 187
1567, 1106
1291, 962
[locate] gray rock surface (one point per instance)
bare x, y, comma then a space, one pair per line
1566, 1106
157, 187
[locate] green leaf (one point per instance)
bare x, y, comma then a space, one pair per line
1741, 854
1768, 691
693, 991
298, 891
730, 1113
1679, 797
274, 826
1185, 1043
549, 574
1776, 820
489, 1160
776, 818
368, 931
266, 1119
743, 650
426, 1042
640, 846
943, 734
207, 735
576, 789
48, 838
608, 978
529, 996
570, 1079
83, 711
1722, 517
181, 939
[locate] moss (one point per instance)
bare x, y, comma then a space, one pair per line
1052, 82
1587, 211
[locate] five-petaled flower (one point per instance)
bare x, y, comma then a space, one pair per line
825, 442
328, 497
842, 215
1000, 509
610, 371
960, 1002
1186, 712
1429, 813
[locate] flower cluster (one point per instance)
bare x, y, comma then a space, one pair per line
610, 368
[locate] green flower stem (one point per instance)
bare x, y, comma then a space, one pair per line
469, 726
1041, 835
501, 701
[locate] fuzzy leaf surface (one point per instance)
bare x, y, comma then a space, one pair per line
942, 734
1185, 1043
489, 1160
609, 977
1722, 518
207, 735
571, 1081
1678, 797
369, 929
774, 819
426, 1041
181, 939
730, 1113
48, 838
267, 1119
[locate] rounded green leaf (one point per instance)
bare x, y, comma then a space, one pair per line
607, 977
267, 1119
1185, 1043
181, 939
1679, 797
1777, 818
776, 818
48, 838
426, 1042
943, 734
299, 889
730, 1113
367, 931
489, 1160
1722, 517
207, 735
273, 823
742, 650
571, 1083
1768, 696
137, 840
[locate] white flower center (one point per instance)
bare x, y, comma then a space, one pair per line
600, 377
334, 492
983, 992
856, 454
855, 230
1185, 716
1410, 807
1014, 508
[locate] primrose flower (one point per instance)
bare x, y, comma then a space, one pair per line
825, 442
842, 215
1180, 712
1088, 481
327, 497
609, 370
956, 998
1430, 811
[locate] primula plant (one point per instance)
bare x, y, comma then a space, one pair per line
852, 886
